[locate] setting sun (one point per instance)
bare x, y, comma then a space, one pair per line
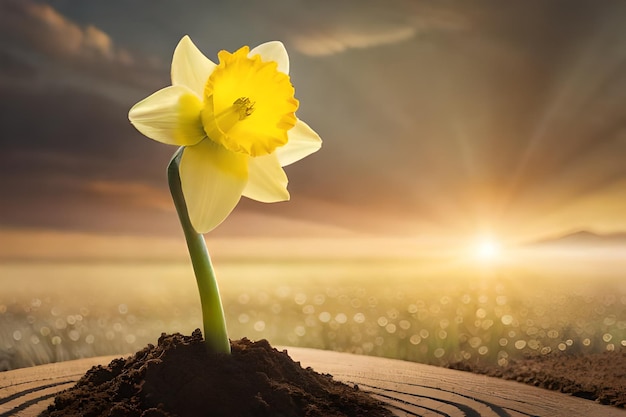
487, 250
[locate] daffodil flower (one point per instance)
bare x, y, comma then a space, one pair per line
236, 121
235, 125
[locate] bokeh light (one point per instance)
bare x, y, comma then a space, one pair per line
369, 307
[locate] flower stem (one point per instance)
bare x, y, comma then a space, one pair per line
215, 335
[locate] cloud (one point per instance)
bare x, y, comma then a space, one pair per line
326, 28
134, 194
51, 245
337, 39
42, 28
313, 28
42, 49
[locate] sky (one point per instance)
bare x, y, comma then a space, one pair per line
440, 119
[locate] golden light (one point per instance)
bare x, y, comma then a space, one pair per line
487, 250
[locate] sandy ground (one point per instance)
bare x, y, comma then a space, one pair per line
600, 377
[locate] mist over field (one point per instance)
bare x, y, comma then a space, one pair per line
428, 310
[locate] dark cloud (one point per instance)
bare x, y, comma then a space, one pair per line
41, 48
43, 28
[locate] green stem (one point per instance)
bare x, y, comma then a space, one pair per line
215, 335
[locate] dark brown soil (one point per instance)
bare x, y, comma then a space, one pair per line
595, 376
178, 377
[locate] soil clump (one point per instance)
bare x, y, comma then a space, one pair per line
178, 377
600, 377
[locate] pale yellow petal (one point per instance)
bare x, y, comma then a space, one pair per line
171, 115
212, 180
303, 141
190, 67
267, 182
273, 51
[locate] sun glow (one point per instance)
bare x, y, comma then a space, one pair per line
487, 250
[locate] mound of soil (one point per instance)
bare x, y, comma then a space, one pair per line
178, 377
595, 376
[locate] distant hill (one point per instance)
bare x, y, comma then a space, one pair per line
584, 238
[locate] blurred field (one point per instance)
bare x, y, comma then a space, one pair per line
424, 311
